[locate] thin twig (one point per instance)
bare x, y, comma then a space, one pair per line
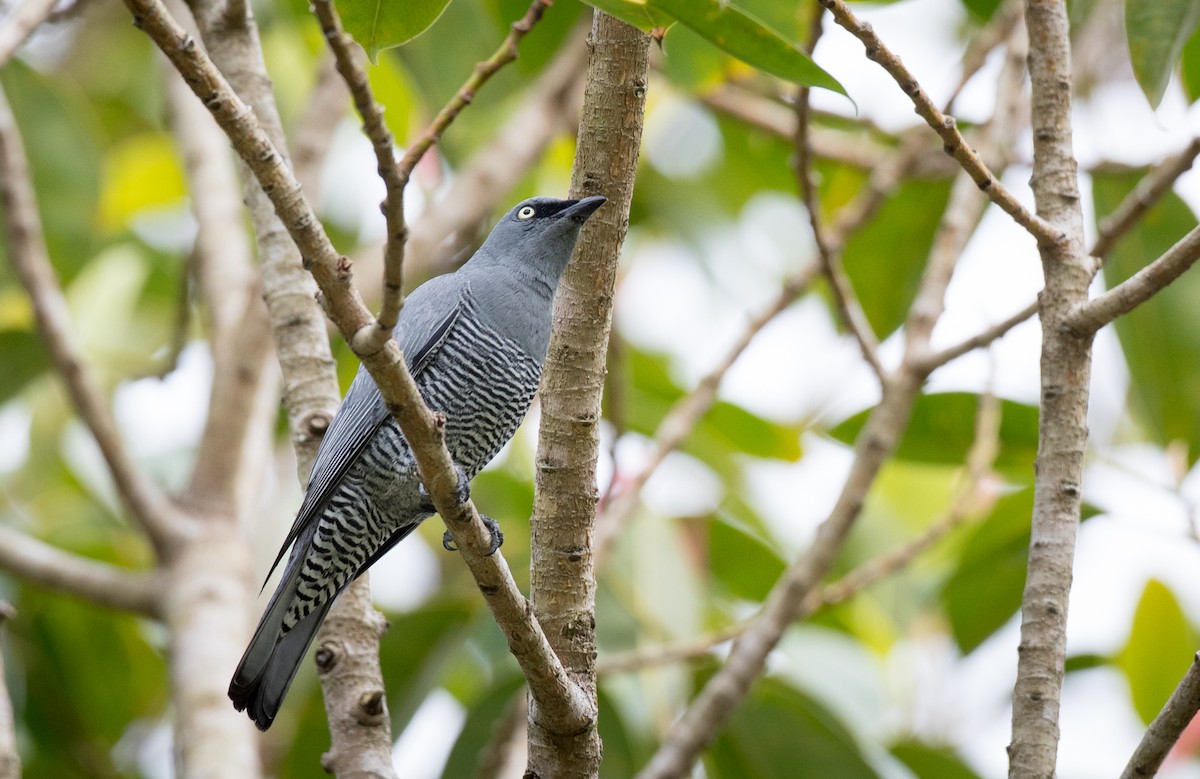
1090, 316
396, 177
496, 757
943, 125
16, 28
554, 691
1168, 726
548, 110
1148, 191
977, 341
28, 255
963, 506
90, 580
682, 418
348, 57
843, 291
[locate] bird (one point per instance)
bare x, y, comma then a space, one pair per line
474, 341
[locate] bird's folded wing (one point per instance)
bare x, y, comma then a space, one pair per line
427, 318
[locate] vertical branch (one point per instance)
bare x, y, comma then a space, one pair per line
563, 583
310, 382
10, 759
1062, 427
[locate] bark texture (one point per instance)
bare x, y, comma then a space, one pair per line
1066, 370
563, 585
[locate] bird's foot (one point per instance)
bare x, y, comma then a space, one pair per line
493, 527
462, 491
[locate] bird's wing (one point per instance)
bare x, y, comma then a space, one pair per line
427, 317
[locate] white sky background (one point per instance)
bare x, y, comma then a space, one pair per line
800, 368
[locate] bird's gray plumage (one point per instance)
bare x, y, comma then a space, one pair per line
474, 341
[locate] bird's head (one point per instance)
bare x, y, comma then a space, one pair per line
540, 233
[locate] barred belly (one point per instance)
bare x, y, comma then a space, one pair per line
483, 383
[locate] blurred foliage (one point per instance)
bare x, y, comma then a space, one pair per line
1157, 31
113, 200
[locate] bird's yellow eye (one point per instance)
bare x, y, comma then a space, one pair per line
525, 213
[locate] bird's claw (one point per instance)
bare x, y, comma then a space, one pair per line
462, 492
493, 527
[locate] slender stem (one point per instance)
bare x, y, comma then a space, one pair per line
1091, 315
16, 28
31, 263
10, 758
90, 580
943, 125
843, 292
1143, 197
347, 56
1168, 726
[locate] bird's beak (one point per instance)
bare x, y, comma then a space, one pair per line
579, 210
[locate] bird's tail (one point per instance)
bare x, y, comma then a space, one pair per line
270, 663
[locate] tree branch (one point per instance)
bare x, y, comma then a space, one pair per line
16, 28
563, 580
943, 125
144, 501
551, 687
1148, 191
1168, 726
90, 580
397, 177
1062, 424
843, 292
792, 594
1091, 315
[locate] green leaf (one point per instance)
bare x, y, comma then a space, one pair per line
1160, 338
886, 258
379, 24
985, 589
930, 762
24, 356
942, 430
637, 13
981, 11
739, 33
1189, 68
740, 561
483, 715
780, 732
1160, 649
1156, 31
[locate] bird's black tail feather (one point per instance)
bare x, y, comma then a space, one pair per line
270, 663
